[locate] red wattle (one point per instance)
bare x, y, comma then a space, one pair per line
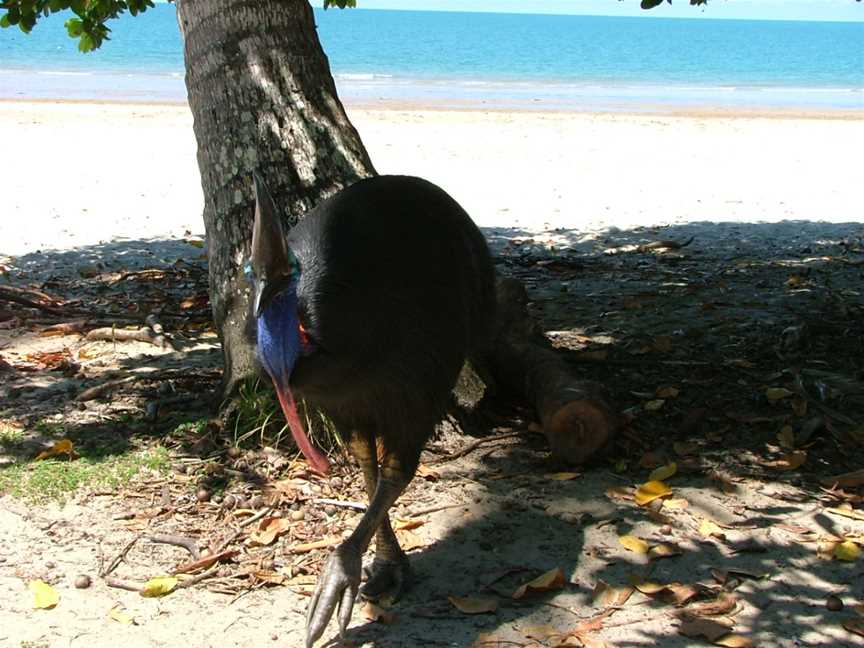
317, 460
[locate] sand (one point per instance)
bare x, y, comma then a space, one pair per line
76, 174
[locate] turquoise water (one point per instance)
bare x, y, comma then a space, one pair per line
493, 59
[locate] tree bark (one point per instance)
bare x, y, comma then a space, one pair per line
262, 97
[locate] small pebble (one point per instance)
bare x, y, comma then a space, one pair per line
229, 501
834, 603
274, 637
50, 565
234, 452
330, 509
202, 495
296, 516
83, 581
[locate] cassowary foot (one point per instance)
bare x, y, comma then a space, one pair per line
335, 591
387, 577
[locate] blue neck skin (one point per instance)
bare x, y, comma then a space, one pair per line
279, 340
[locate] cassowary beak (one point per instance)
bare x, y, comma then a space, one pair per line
270, 256
317, 460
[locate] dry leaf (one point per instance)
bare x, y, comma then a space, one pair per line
269, 529
651, 490
667, 391
855, 626
708, 528
620, 493
664, 550
733, 640
711, 629
427, 473
846, 480
63, 446
724, 604
406, 524
847, 512
675, 503
117, 614
654, 405
562, 476
409, 540
773, 394
789, 461
606, 595
159, 586
847, 550
551, 580
663, 472
681, 594
45, 597
469, 605
634, 544
373, 612
786, 437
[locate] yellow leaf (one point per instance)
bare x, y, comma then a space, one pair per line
401, 524
708, 528
786, 437
849, 513
654, 405
606, 595
562, 476
195, 243
651, 490
663, 550
118, 615
159, 586
789, 461
409, 540
45, 597
551, 580
63, 446
468, 605
634, 544
847, 550
679, 503
663, 472
773, 394
733, 640
646, 587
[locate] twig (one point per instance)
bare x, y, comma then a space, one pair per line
31, 298
194, 580
104, 388
119, 558
358, 506
433, 509
205, 562
471, 447
312, 546
178, 541
110, 581
242, 525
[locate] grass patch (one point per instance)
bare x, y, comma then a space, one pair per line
59, 479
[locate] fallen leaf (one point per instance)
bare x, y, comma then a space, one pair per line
562, 476
664, 550
663, 472
847, 551
654, 405
711, 629
774, 394
634, 544
709, 528
675, 503
551, 580
269, 529
651, 490
644, 586
724, 605
607, 595
409, 540
786, 437
63, 446
159, 586
846, 480
667, 391
117, 614
733, 640
789, 461
406, 524
847, 512
427, 473
469, 605
681, 594
856, 626
45, 597
373, 612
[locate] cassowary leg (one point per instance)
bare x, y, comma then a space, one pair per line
339, 581
390, 571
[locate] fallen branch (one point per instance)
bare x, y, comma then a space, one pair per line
104, 388
205, 562
119, 558
357, 506
32, 299
471, 447
312, 546
188, 544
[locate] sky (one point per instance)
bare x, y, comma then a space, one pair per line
843, 10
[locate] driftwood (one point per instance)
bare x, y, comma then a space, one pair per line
574, 414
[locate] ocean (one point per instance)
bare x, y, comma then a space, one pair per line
451, 59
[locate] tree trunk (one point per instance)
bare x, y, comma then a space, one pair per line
262, 97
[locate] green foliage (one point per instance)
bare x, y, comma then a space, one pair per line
89, 24
339, 3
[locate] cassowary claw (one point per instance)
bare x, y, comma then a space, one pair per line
336, 589
386, 578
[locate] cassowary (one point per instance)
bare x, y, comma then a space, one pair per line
368, 309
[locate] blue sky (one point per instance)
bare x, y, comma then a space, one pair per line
759, 9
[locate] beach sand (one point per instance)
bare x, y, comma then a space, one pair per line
76, 174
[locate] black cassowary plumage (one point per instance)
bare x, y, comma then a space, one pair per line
368, 309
